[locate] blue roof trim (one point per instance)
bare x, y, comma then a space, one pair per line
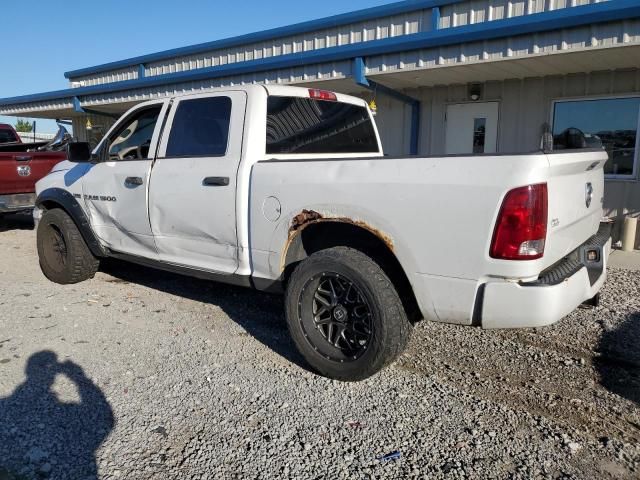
296, 29
539, 22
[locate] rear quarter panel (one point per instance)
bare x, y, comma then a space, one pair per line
437, 213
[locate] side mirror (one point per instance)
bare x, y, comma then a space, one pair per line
79, 152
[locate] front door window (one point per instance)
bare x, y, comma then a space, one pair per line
133, 139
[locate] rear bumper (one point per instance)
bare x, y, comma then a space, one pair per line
508, 304
17, 202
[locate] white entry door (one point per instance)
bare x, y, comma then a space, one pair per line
472, 128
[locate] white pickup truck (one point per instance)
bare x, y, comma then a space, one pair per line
287, 189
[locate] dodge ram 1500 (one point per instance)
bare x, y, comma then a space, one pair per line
22, 165
287, 189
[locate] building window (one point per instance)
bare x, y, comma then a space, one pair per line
479, 134
609, 123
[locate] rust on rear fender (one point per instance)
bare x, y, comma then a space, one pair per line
310, 217
303, 219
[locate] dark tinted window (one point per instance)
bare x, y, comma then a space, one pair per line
200, 128
303, 125
133, 139
609, 123
7, 136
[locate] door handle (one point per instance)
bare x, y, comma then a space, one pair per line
216, 182
133, 181
23, 158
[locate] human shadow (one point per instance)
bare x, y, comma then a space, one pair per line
43, 437
619, 362
16, 221
260, 314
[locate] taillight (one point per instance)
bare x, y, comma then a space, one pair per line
521, 229
323, 95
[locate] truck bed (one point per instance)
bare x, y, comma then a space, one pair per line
437, 213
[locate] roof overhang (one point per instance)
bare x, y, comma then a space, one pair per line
60, 103
373, 13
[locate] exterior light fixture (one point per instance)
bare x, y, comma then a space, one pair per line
475, 91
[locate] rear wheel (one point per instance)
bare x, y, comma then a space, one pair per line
64, 256
345, 315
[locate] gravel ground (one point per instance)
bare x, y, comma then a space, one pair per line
144, 375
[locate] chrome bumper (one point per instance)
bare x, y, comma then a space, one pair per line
17, 202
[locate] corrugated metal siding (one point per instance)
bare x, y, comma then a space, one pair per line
386, 27
568, 40
130, 73
601, 35
478, 11
29, 108
307, 73
454, 15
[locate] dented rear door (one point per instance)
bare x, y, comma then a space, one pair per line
192, 199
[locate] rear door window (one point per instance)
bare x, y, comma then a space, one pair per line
200, 128
309, 126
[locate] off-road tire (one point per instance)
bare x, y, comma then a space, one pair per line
64, 256
390, 327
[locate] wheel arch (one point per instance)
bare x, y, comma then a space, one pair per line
311, 233
58, 198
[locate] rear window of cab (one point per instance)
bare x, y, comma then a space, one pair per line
297, 125
7, 136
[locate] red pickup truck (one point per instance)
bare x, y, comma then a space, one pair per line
23, 164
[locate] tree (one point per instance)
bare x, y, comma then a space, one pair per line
24, 126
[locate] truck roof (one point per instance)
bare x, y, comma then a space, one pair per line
278, 90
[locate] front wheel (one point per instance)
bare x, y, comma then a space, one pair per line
345, 315
64, 256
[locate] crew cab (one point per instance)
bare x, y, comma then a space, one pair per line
288, 189
22, 165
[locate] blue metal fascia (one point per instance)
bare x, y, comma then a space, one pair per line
296, 29
359, 72
77, 107
435, 18
539, 22
360, 77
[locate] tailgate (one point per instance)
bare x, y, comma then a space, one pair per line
576, 194
19, 171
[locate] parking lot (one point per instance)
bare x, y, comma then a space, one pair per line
143, 374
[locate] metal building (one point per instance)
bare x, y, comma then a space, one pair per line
448, 76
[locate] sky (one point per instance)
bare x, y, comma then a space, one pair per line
44, 39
